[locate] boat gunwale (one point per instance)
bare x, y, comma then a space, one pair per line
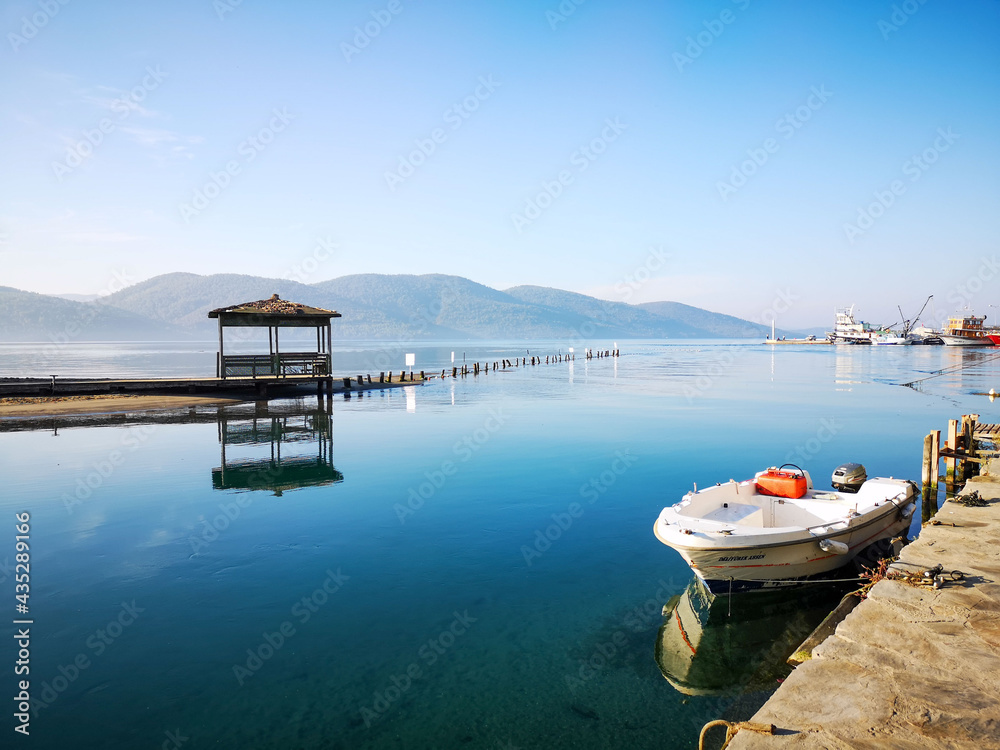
774, 545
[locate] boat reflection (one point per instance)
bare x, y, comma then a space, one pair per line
299, 443
711, 645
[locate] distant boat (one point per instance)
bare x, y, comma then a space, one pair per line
775, 530
883, 338
966, 330
925, 335
847, 330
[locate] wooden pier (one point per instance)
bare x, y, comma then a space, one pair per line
172, 391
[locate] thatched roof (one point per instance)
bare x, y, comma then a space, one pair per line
274, 306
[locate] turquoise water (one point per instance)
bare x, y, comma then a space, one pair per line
468, 564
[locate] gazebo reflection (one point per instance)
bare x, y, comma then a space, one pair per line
296, 443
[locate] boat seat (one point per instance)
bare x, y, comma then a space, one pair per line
743, 514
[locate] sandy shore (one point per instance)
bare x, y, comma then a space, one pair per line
57, 406
22, 407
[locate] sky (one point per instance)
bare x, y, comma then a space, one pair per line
776, 159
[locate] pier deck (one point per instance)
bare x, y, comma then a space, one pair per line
11, 387
910, 667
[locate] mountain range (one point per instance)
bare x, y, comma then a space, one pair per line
175, 306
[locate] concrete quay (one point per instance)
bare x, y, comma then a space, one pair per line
911, 666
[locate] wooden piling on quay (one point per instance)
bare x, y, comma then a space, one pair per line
951, 445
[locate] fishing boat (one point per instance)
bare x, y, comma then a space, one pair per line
847, 330
966, 330
776, 530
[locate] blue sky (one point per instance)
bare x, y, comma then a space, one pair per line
741, 156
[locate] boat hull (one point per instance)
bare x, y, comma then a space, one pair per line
891, 341
730, 556
767, 567
966, 340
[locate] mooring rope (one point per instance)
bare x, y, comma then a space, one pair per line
950, 369
732, 727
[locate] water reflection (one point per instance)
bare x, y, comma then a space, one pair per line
300, 443
712, 645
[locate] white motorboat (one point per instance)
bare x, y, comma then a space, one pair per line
776, 530
883, 338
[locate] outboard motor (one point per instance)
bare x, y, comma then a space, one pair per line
849, 477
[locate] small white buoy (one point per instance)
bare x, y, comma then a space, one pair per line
992, 394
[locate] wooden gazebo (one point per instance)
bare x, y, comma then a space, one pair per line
275, 313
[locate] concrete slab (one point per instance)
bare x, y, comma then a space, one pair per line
910, 667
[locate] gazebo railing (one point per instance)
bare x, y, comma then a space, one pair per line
277, 365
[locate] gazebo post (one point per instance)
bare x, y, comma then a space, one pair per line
220, 366
277, 354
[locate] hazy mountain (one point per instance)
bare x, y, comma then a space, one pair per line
708, 323
373, 306
26, 316
78, 297
610, 318
184, 299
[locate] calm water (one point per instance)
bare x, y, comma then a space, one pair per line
380, 576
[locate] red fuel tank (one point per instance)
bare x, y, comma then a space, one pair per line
781, 484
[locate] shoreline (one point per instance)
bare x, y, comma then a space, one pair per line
95, 404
